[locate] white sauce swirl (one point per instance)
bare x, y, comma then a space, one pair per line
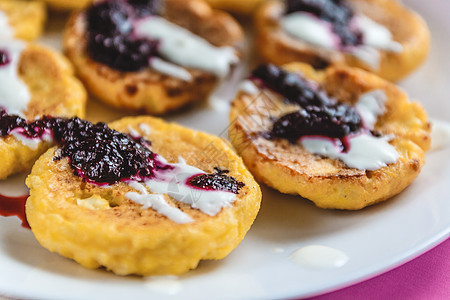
315, 31
184, 48
14, 93
173, 182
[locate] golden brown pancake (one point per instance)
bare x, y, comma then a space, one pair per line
98, 226
408, 28
329, 183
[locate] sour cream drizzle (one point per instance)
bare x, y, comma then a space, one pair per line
311, 29
173, 182
366, 152
14, 93
184, 48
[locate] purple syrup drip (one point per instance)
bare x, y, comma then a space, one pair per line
4, 58
336, 12
109, 33
101, 155
319, 114
217, 181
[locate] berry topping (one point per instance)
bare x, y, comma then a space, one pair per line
109, 33
217, 181
336, 12
4, 58
293, 87
335, 121
319, 114
102, 155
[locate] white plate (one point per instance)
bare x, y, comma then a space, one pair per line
375, 239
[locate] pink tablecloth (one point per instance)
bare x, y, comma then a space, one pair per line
426, 277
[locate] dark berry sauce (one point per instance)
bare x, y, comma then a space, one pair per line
109, 33
319, 114
336, 12
14, 206
101, 155
218, 181
4, 58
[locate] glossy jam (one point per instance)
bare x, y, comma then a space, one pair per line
218, 181
109, 28
318, 115
102, 155
14, 206
335, 12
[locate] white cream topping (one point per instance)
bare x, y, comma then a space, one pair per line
309, 28
14, 93
313, 30
170, 69
249, 87
184, 48
370, 106
6, 31
174, 183
133, 132
145, 128
366, 152
369, 55
158, 203
376, 35
32, 143
319, 257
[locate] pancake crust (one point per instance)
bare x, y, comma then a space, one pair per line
246, 7
148, 90
328, 182
27, 18
54, 91
407, 28
117, 233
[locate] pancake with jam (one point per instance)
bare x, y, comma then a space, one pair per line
153, 64
22, 19
155, 199
342, 138
34, 82
381, 36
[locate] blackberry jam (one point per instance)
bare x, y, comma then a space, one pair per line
218, 181
336, 12
102, 155
109, 38
318, 115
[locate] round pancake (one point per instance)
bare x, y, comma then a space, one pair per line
116, 233
54, 91
329, 183
407, 28
148, 90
